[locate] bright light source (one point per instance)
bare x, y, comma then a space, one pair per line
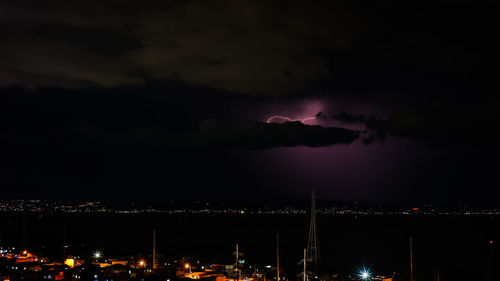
97, 254
142, 262
365, 274
70, 262
186, 265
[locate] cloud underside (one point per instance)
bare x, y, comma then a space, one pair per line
256, 135
242, 47
245, 49
256, 47
249, 135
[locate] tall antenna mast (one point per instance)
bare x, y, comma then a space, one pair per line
411, 259
312, 244
278, 256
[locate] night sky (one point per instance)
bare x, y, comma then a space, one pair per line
161, 100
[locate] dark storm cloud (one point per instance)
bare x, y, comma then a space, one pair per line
443, 120
256, 135
103, 40
240, 46
143, 119
349, 118
268, 48
119, 142
253, 47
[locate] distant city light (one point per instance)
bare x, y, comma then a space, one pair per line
97, 254
186, 265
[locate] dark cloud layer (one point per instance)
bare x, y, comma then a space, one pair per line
107, 119
425, 53
263, 135
460, 120
108, 143
252, 47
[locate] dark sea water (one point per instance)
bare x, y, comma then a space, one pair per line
456, 247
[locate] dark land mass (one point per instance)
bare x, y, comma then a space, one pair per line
457, 247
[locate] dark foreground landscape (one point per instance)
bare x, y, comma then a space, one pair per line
444, 247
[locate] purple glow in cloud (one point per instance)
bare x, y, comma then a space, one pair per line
288, 119
310, 111
313, 112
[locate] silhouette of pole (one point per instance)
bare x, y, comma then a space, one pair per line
305, 264
64, 243
237, 263
411, 259
491, 261
278, 256
154, 248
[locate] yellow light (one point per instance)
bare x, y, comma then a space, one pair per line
141, 263
70, 262
25, 252
186, 265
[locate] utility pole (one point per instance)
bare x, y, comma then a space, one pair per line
64, 243
411, 259
154, 248
237, 263
305, 263
278, 256
491, 261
